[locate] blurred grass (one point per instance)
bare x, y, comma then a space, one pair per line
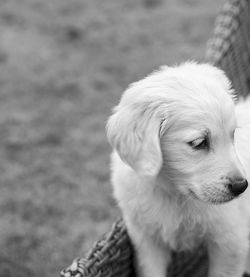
63, 65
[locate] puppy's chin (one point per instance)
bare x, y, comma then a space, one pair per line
211, 198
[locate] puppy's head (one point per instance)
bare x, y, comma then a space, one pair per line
179, 123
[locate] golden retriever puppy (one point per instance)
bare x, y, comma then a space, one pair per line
180, 166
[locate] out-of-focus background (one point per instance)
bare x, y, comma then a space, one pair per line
63, 65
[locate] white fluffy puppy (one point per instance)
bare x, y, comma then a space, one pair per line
181, 159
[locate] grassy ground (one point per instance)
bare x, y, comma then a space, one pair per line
63, 65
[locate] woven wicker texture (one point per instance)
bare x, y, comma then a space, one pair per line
111, 256
229, 48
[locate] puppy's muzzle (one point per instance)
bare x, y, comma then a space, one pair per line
237, 186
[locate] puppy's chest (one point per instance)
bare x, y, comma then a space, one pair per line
184, 238
181, 233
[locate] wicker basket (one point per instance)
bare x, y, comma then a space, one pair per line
229, 48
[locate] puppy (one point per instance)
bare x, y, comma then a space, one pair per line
181, 160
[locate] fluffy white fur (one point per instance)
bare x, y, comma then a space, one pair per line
174, 196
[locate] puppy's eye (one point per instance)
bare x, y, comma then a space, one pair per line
199, 144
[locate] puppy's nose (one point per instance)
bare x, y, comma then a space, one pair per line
238, 186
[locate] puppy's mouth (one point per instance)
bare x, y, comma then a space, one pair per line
215, 199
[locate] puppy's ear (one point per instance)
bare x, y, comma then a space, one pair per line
134, 131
